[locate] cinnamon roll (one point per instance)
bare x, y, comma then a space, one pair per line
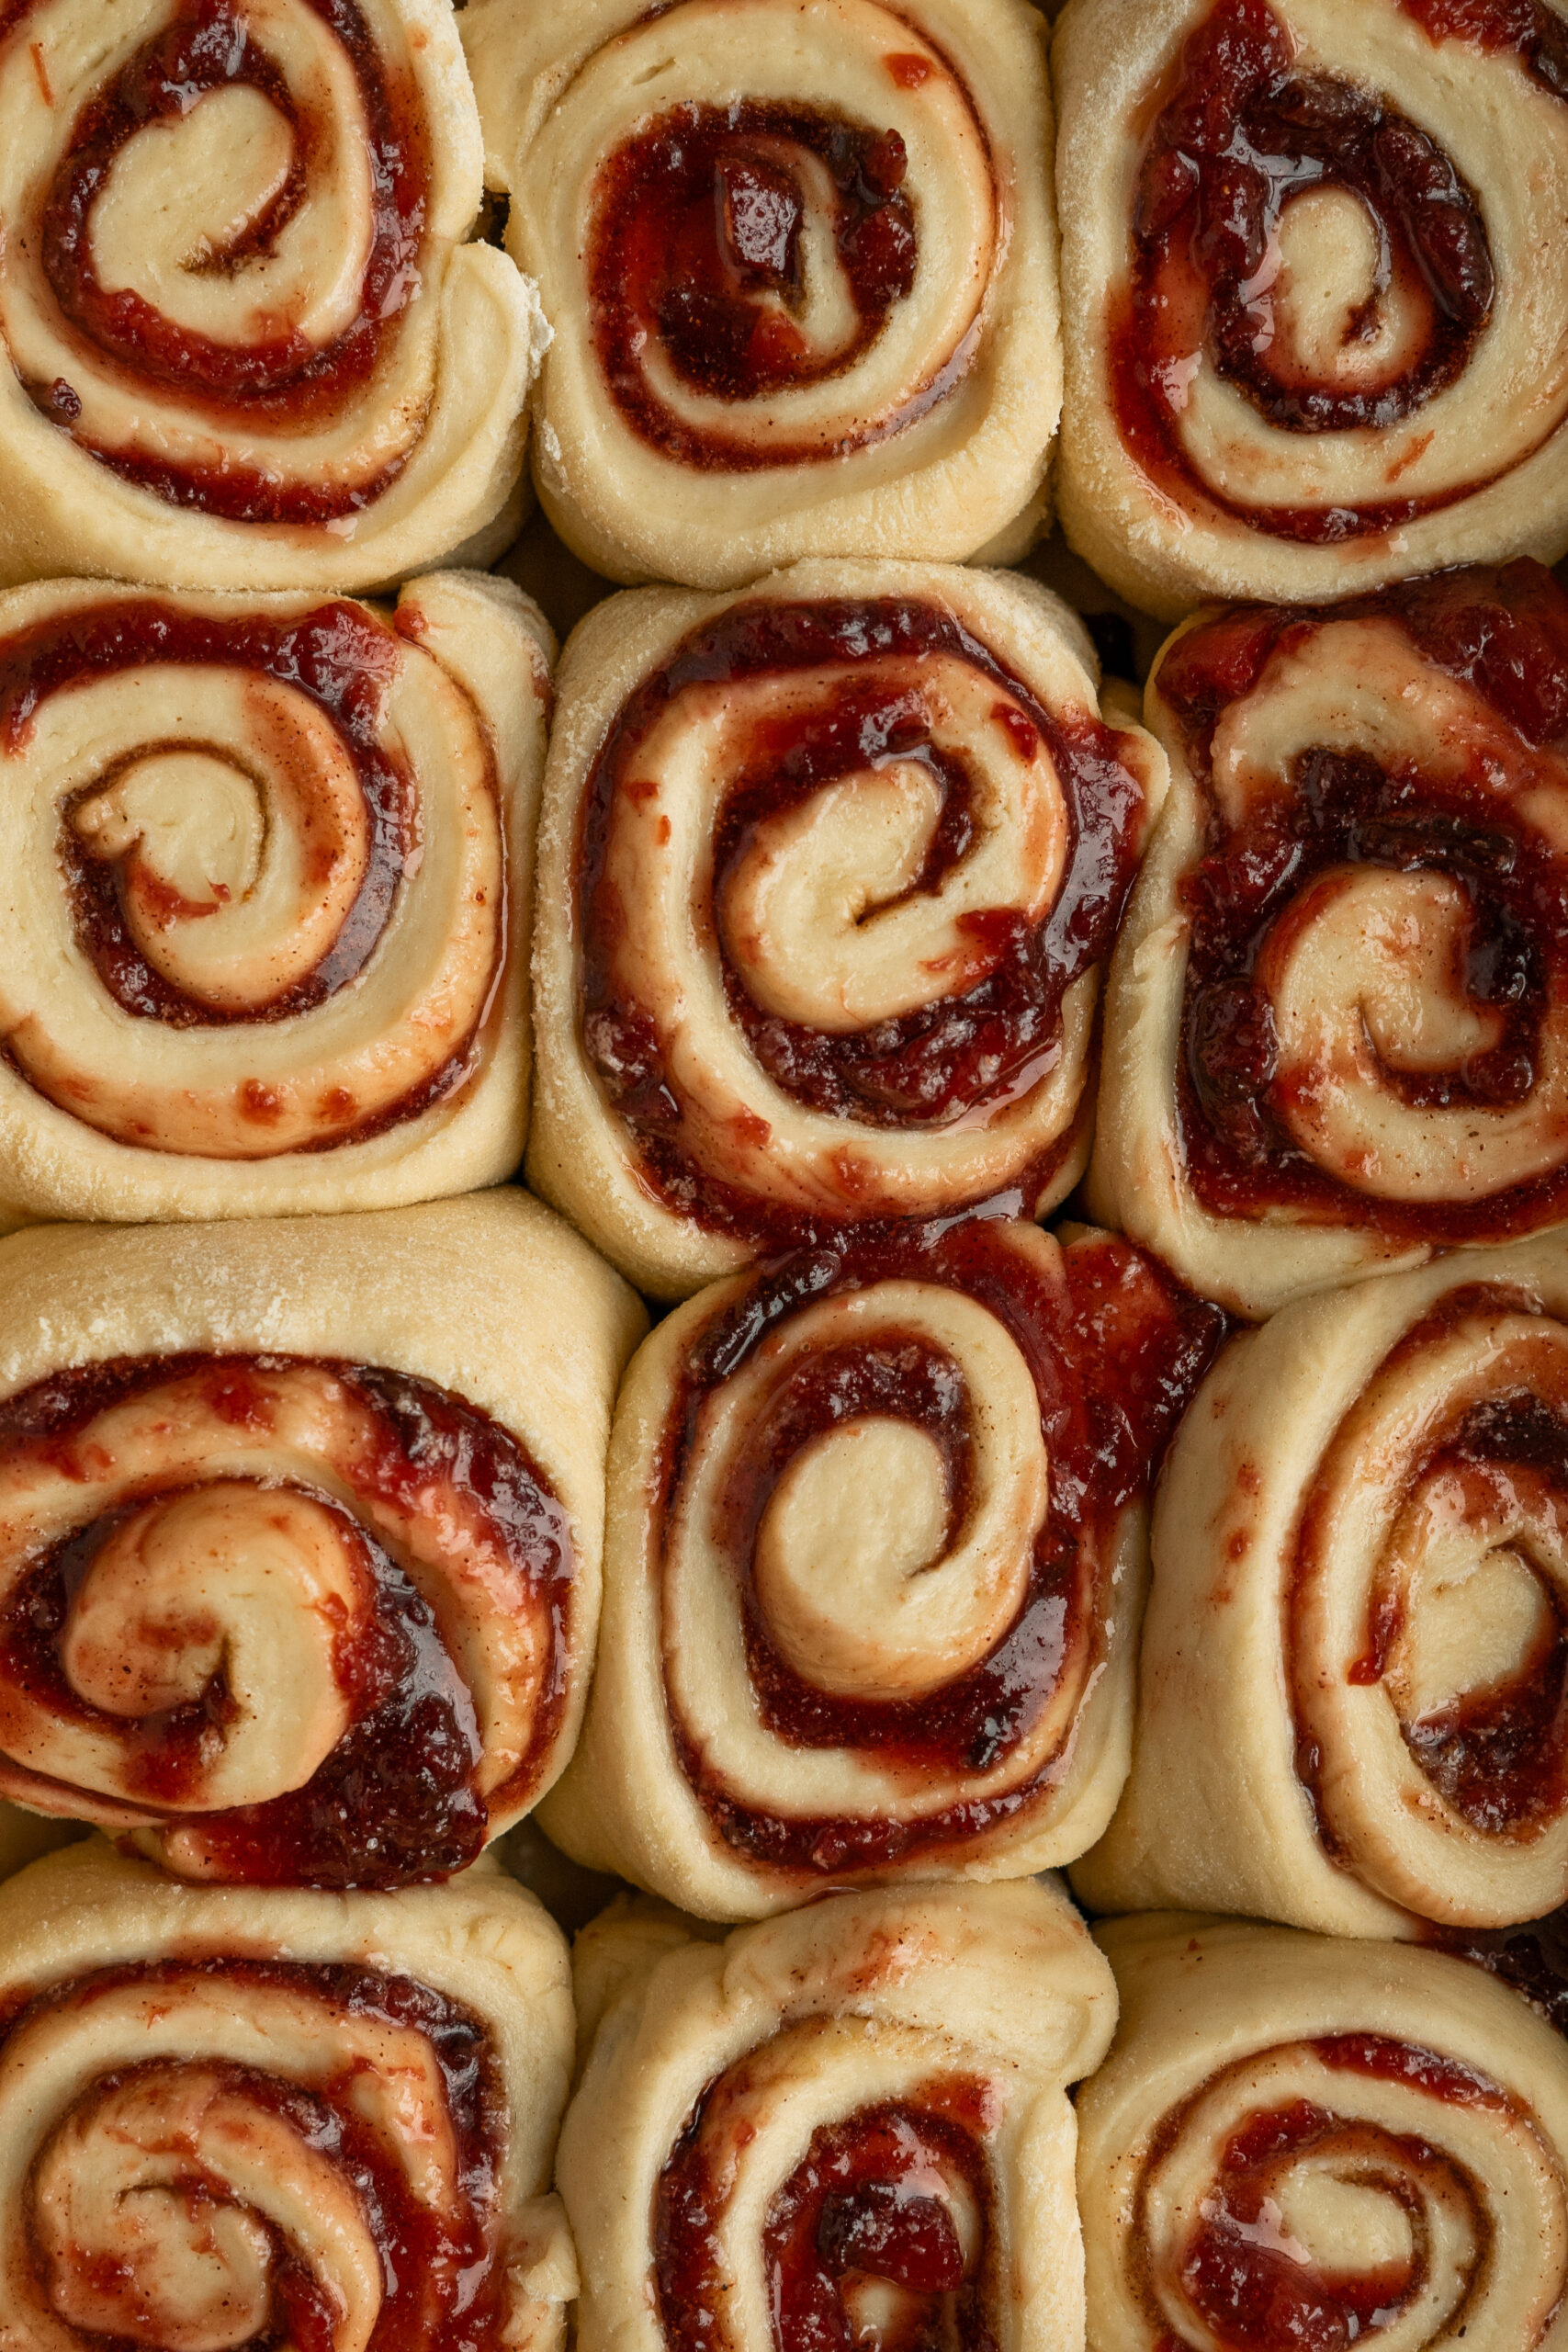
825, 875
800, 269
1337, 1027
243, 341
1317, 337
299, 1532
874, 1565
1297, 2141
1351, 1713
303, 2121
846, 2125
267, 876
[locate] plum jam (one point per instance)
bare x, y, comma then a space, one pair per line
1239, 136
1116, 1348
398, 1800
1504, 633
698, 250
868, 2202
286, 383
345, 664
441, 2276
952, 1058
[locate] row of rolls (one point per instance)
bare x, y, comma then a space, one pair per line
320, 2123
285, 284
764, 919
313, 1585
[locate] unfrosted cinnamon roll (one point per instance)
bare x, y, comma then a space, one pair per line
1352, 1696
243, 343
1317, 337
299, 1532
1302, 2142
800, 270
267, 869
232, 2119
825, 875
875, 1566
846, 2125
1336, 1027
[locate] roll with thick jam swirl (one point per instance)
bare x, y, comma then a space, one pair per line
299, 1532
826, 874
267, 873
1351, 1710
1302, 2143
800, 270
242, 341
1316, 331
876, 1555
231, 2119
1337, 1027
848, 2125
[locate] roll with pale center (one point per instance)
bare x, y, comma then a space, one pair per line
799, 266
1316, 331
875, 1564
846, 2126
1352, 1706
1337, 1023
231, 2118
1302, 2142
242, 341
826, 875
299, 1532
265, 882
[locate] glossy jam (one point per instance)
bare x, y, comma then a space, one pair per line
1533, 32
697, 250
344, 663
951, 1059
281, 385
1250, 2283
441, 2285
1240, 134
1504, 633
1116, 1349
396, 1802
865, 2202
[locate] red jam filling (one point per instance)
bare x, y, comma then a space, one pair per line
1505, 634
1531, 1959
1239, 136
957, 1055
1258, 2289
1117, 1349
697, 252
1499, 1754
441, 2282
396, 1802
283, 384
344, 663
864, 2203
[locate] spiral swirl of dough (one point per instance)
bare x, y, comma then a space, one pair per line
1337, 1025
262, 872
1366, 1517
825, 874
799, 270
1297, 2139
247, 345
279, 1616
875, 1564
231, 2127
1311, 344
849, 2119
